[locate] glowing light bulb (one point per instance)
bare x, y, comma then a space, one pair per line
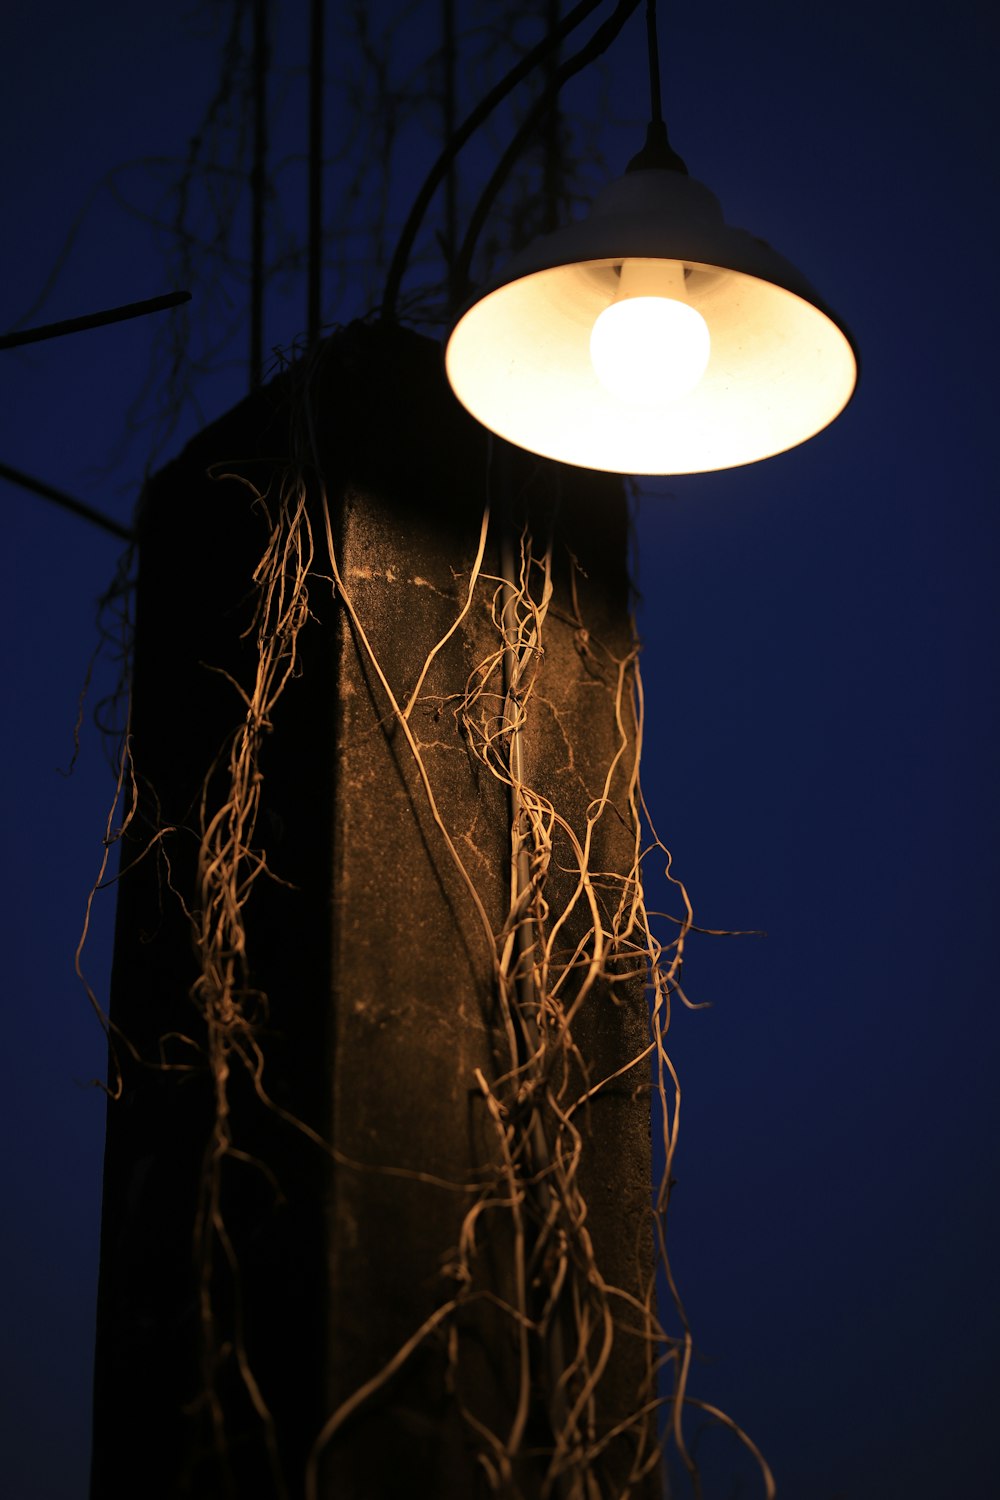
650, 346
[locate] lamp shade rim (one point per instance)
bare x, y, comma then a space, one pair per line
522, 358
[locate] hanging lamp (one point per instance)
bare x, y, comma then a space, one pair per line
651, 337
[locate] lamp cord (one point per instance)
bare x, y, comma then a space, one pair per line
657, 154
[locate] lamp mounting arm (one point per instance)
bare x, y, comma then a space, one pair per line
594, 48
469, 126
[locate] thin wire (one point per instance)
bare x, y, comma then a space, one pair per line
653, 49
93, 320
67, 502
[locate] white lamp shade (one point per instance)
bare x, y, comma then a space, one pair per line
780, 368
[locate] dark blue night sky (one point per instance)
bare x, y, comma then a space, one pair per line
820, 667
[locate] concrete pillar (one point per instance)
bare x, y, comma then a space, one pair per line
258, 1272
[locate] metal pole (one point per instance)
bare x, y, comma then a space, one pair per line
314, 310
551, 180
451, 181
260, 61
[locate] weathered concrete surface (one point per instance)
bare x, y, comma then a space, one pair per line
379, 976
